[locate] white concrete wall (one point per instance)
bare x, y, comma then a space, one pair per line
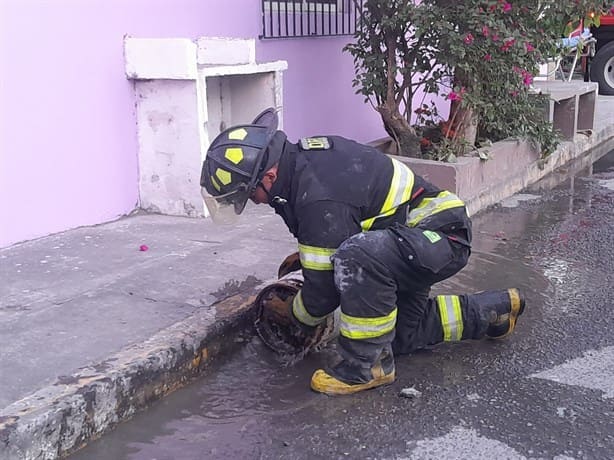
186, 96
169, 147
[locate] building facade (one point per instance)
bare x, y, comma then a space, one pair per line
68, 127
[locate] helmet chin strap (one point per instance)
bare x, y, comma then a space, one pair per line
274, 200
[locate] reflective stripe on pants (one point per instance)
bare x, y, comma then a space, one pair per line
451, 317
358, 328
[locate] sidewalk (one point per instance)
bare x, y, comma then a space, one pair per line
93, 329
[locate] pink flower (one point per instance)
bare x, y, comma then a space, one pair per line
529, 47
515, 93
456, 96
143, 247
507, 7
468, 39
495, 37
485, 31
527, 79
508, 44
487, 57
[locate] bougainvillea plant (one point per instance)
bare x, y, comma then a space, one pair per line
481, 55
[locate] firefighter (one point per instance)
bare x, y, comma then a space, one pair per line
373, 237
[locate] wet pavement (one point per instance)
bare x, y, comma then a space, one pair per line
546, 392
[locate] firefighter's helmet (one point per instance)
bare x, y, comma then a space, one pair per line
236, 161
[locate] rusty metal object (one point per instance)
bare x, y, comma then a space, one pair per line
275, 326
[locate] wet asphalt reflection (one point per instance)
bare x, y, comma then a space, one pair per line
538, 394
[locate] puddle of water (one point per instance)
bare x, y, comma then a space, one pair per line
222, 410
251, 385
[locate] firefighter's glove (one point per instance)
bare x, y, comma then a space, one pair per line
290, 264
306, 336
279, 311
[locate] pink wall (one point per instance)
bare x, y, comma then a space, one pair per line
68, 150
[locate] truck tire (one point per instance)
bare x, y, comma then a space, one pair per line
602, 69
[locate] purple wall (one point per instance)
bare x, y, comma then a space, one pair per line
318, 93
68, 150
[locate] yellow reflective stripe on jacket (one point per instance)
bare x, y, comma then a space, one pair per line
354, 327
300, 312
451, 317
429, 206
399, 193
315, 258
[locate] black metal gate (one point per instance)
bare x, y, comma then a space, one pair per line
309, 18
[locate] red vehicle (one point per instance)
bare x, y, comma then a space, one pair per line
602, 63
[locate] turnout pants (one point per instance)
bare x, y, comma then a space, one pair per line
384, 278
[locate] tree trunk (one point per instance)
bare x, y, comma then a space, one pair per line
396, 125
462, 125
401, 132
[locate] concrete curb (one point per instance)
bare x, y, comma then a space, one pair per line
595, 145
61, 418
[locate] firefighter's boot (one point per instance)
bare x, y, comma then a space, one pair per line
346, 378
501, 309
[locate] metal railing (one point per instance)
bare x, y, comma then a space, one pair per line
309, 18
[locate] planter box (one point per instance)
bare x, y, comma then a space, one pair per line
482, 183
512, 166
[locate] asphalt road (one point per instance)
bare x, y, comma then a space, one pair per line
547, 392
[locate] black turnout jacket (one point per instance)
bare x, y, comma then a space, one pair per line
330, 188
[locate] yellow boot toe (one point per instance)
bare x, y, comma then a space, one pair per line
322, 382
